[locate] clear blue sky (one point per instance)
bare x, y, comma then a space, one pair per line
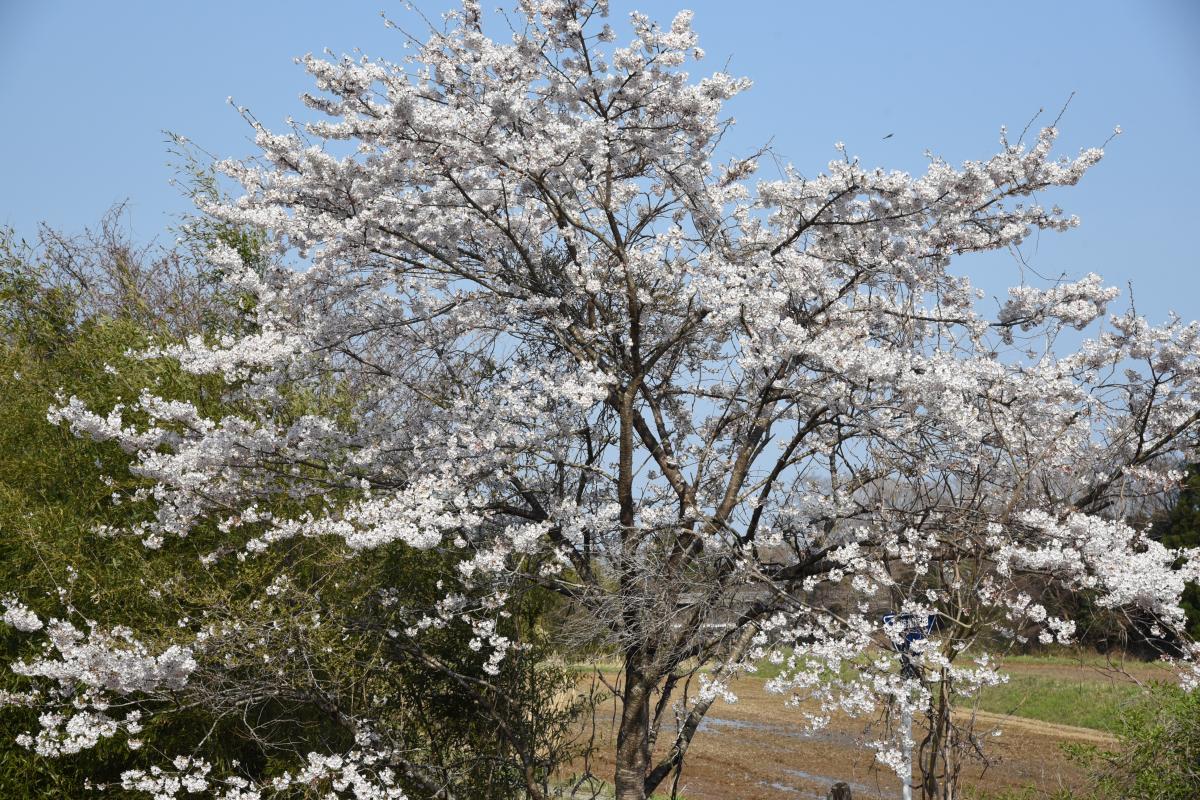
87, 88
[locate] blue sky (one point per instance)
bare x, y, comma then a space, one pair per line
88, 88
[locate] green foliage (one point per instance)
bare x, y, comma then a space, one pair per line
55, 489
1159, 753
255, 706
1180, 527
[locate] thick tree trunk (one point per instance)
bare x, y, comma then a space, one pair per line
633, 736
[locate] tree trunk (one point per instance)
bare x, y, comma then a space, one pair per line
633, 736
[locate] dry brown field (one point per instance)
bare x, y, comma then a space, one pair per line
757, 748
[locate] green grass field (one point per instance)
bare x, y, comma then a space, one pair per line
1083, 703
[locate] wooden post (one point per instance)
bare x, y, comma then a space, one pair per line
840, 791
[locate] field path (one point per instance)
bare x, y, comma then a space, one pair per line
1066, 733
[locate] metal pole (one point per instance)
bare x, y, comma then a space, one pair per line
906, 771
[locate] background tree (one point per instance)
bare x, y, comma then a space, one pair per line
74, 311
71, 310
1178, 526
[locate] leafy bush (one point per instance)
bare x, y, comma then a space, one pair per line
63, 498
1159, 753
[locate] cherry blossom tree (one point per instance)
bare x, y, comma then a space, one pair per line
575, 352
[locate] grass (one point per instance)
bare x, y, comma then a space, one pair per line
1077, 658
1090, 700
1083, 703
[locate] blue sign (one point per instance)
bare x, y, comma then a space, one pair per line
915, 628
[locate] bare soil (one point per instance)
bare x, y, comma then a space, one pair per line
759, 748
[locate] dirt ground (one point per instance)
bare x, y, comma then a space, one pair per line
757, 748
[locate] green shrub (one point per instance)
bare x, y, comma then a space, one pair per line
56, 489
1159, 753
